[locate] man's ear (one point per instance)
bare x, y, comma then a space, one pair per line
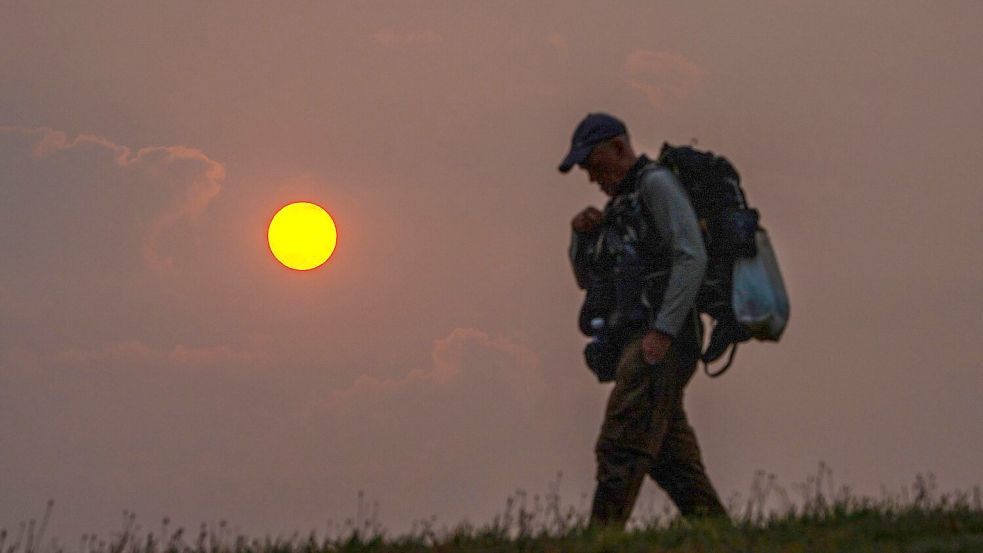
621, 145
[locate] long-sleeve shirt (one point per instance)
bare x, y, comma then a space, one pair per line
675, 233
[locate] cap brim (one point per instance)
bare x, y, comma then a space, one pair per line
576, 155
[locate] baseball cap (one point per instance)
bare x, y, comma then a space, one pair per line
595, 128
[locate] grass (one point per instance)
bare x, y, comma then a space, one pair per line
822, 518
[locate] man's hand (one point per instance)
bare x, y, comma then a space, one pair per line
587, 220
655, 346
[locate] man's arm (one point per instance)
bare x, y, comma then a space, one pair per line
675, 223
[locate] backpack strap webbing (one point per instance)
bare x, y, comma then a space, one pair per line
722, 370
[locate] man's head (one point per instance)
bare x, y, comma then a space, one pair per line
601, 147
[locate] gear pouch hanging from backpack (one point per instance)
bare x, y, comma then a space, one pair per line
759, 298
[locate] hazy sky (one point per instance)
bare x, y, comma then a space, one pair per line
155, 357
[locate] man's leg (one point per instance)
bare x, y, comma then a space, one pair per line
679, 470
636, 419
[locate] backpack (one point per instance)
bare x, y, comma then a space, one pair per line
742, 289
618, 279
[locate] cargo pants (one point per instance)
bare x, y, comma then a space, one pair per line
645, 431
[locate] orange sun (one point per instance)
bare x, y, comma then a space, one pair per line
302, 236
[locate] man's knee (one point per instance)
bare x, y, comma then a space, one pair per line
619, 466
620, 471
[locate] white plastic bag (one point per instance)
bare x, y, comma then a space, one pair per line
759, 297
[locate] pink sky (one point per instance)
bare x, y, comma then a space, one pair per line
154, 357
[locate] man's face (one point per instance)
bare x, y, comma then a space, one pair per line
604, 167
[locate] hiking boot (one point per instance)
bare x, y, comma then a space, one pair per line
724, 334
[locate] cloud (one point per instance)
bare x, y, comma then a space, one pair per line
98, 237
217, 428
181, 181
559, 44
469, 426
461, 351
127, 420
390, 38
136, 355
661, 76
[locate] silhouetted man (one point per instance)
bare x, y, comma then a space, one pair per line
646, 247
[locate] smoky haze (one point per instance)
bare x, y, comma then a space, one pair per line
154, 357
